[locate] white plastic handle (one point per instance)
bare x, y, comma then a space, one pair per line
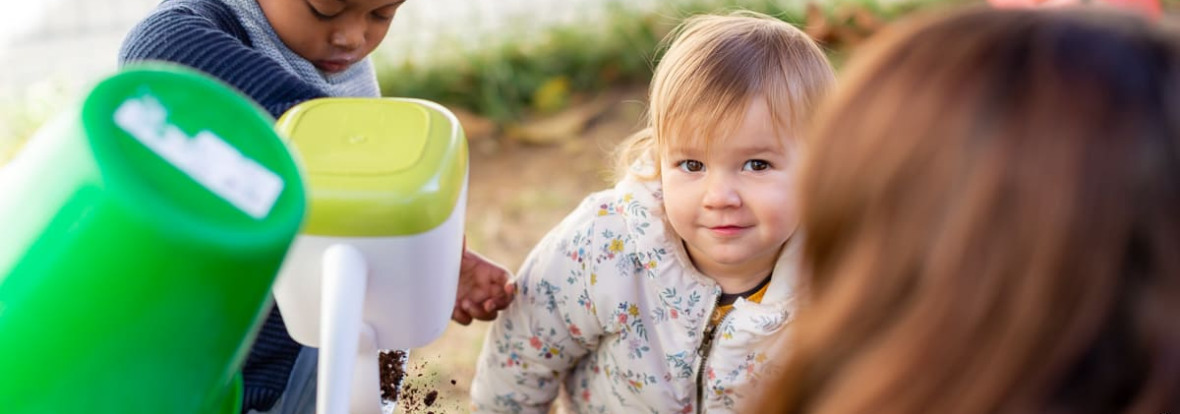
366, 377
343, 299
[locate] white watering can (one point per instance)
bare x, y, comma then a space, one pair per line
377, 264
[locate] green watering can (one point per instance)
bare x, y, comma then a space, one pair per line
142, 231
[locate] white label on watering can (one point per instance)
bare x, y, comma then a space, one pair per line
208, 159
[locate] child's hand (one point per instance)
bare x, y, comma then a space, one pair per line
484, 289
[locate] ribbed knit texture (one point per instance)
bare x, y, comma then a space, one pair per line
209, 36
268, 367
357, 80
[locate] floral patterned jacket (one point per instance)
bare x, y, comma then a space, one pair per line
610, 306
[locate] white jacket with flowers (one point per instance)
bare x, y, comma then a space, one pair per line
610, 306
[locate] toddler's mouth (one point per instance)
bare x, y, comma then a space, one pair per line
332, 65
727, 230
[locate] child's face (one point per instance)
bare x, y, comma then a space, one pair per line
331, 34
733, 206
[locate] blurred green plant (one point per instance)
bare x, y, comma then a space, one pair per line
21, 116
540, 73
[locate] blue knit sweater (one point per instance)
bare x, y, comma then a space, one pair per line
206, 35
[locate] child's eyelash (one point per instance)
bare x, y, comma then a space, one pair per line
690, 165
317, 13
763, 164
388, 11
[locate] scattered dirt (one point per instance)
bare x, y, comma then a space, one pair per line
391, 373
422, 395
407, 397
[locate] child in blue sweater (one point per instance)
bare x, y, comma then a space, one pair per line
281, 53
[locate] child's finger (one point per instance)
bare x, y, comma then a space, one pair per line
460, 317
502, 276
484, 312
502, 300
474, 311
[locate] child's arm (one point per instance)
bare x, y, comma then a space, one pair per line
182, 36
543, 334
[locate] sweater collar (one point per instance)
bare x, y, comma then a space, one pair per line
358, 80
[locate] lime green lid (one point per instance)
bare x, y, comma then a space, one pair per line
377, 166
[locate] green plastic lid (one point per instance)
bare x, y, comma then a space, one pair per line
377, 166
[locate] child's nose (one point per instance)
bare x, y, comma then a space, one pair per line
348, 37
720, 192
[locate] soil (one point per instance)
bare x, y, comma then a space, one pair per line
422, 395
392, 374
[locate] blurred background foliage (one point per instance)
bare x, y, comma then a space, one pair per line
528, 73
536, 86
541, 73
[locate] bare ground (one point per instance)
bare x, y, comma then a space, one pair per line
517, 193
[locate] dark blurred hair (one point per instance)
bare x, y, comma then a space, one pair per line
992, 211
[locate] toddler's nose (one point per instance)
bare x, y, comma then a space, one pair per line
348, 39
720, 192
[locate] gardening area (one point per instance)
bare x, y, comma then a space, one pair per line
542, 113
545, 114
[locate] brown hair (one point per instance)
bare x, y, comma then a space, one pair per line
993, 222
714, 66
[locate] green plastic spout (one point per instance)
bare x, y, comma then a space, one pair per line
141, 233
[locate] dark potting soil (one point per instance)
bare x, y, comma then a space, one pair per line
392, 373
410, 397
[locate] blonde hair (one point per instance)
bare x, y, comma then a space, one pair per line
991, 216
714, 66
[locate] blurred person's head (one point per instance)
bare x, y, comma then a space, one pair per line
729, 102
992, 207
331, 34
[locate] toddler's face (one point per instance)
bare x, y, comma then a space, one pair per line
733, 206
331, 34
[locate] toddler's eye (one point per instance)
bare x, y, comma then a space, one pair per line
691, 166
318, 15
756, 165
386, 13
